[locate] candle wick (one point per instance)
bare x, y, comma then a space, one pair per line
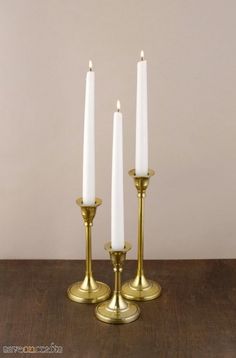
90, 65
142, 55
118, 106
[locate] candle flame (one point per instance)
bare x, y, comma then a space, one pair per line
90, 65
118, 105
142, 55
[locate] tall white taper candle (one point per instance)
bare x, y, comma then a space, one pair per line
117, 193
89, 140
141, 157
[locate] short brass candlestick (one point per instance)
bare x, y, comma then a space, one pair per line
141, 289
117, 310
88, 290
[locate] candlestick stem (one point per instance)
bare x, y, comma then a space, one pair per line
88, 251
140, 232
117, 310
88, 290
141, 289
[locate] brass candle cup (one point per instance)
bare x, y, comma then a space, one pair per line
89, 290
140, 288
117, 310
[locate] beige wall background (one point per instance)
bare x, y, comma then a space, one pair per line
45, 46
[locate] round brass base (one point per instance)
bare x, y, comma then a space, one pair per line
141, 293
117, 316
78, 294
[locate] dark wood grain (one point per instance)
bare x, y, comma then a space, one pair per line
194, 317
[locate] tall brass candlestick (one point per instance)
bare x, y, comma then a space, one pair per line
117, 310
88, 290
140, 288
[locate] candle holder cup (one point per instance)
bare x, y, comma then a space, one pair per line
140, 288
89, 290
117, 310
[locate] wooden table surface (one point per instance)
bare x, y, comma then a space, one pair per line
194, 317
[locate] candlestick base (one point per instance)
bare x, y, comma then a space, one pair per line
141, 289
117, 310
88, 291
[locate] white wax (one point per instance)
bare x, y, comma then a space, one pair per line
89, 142
117, 193
141, 157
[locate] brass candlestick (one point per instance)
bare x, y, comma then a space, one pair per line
88, 290
141, 289
117, 310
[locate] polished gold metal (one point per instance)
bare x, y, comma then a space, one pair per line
88, 290
141, 289
117, 310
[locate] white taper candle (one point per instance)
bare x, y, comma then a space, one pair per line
117, 193
89, 140
141, 155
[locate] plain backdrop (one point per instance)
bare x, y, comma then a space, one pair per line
190, 46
